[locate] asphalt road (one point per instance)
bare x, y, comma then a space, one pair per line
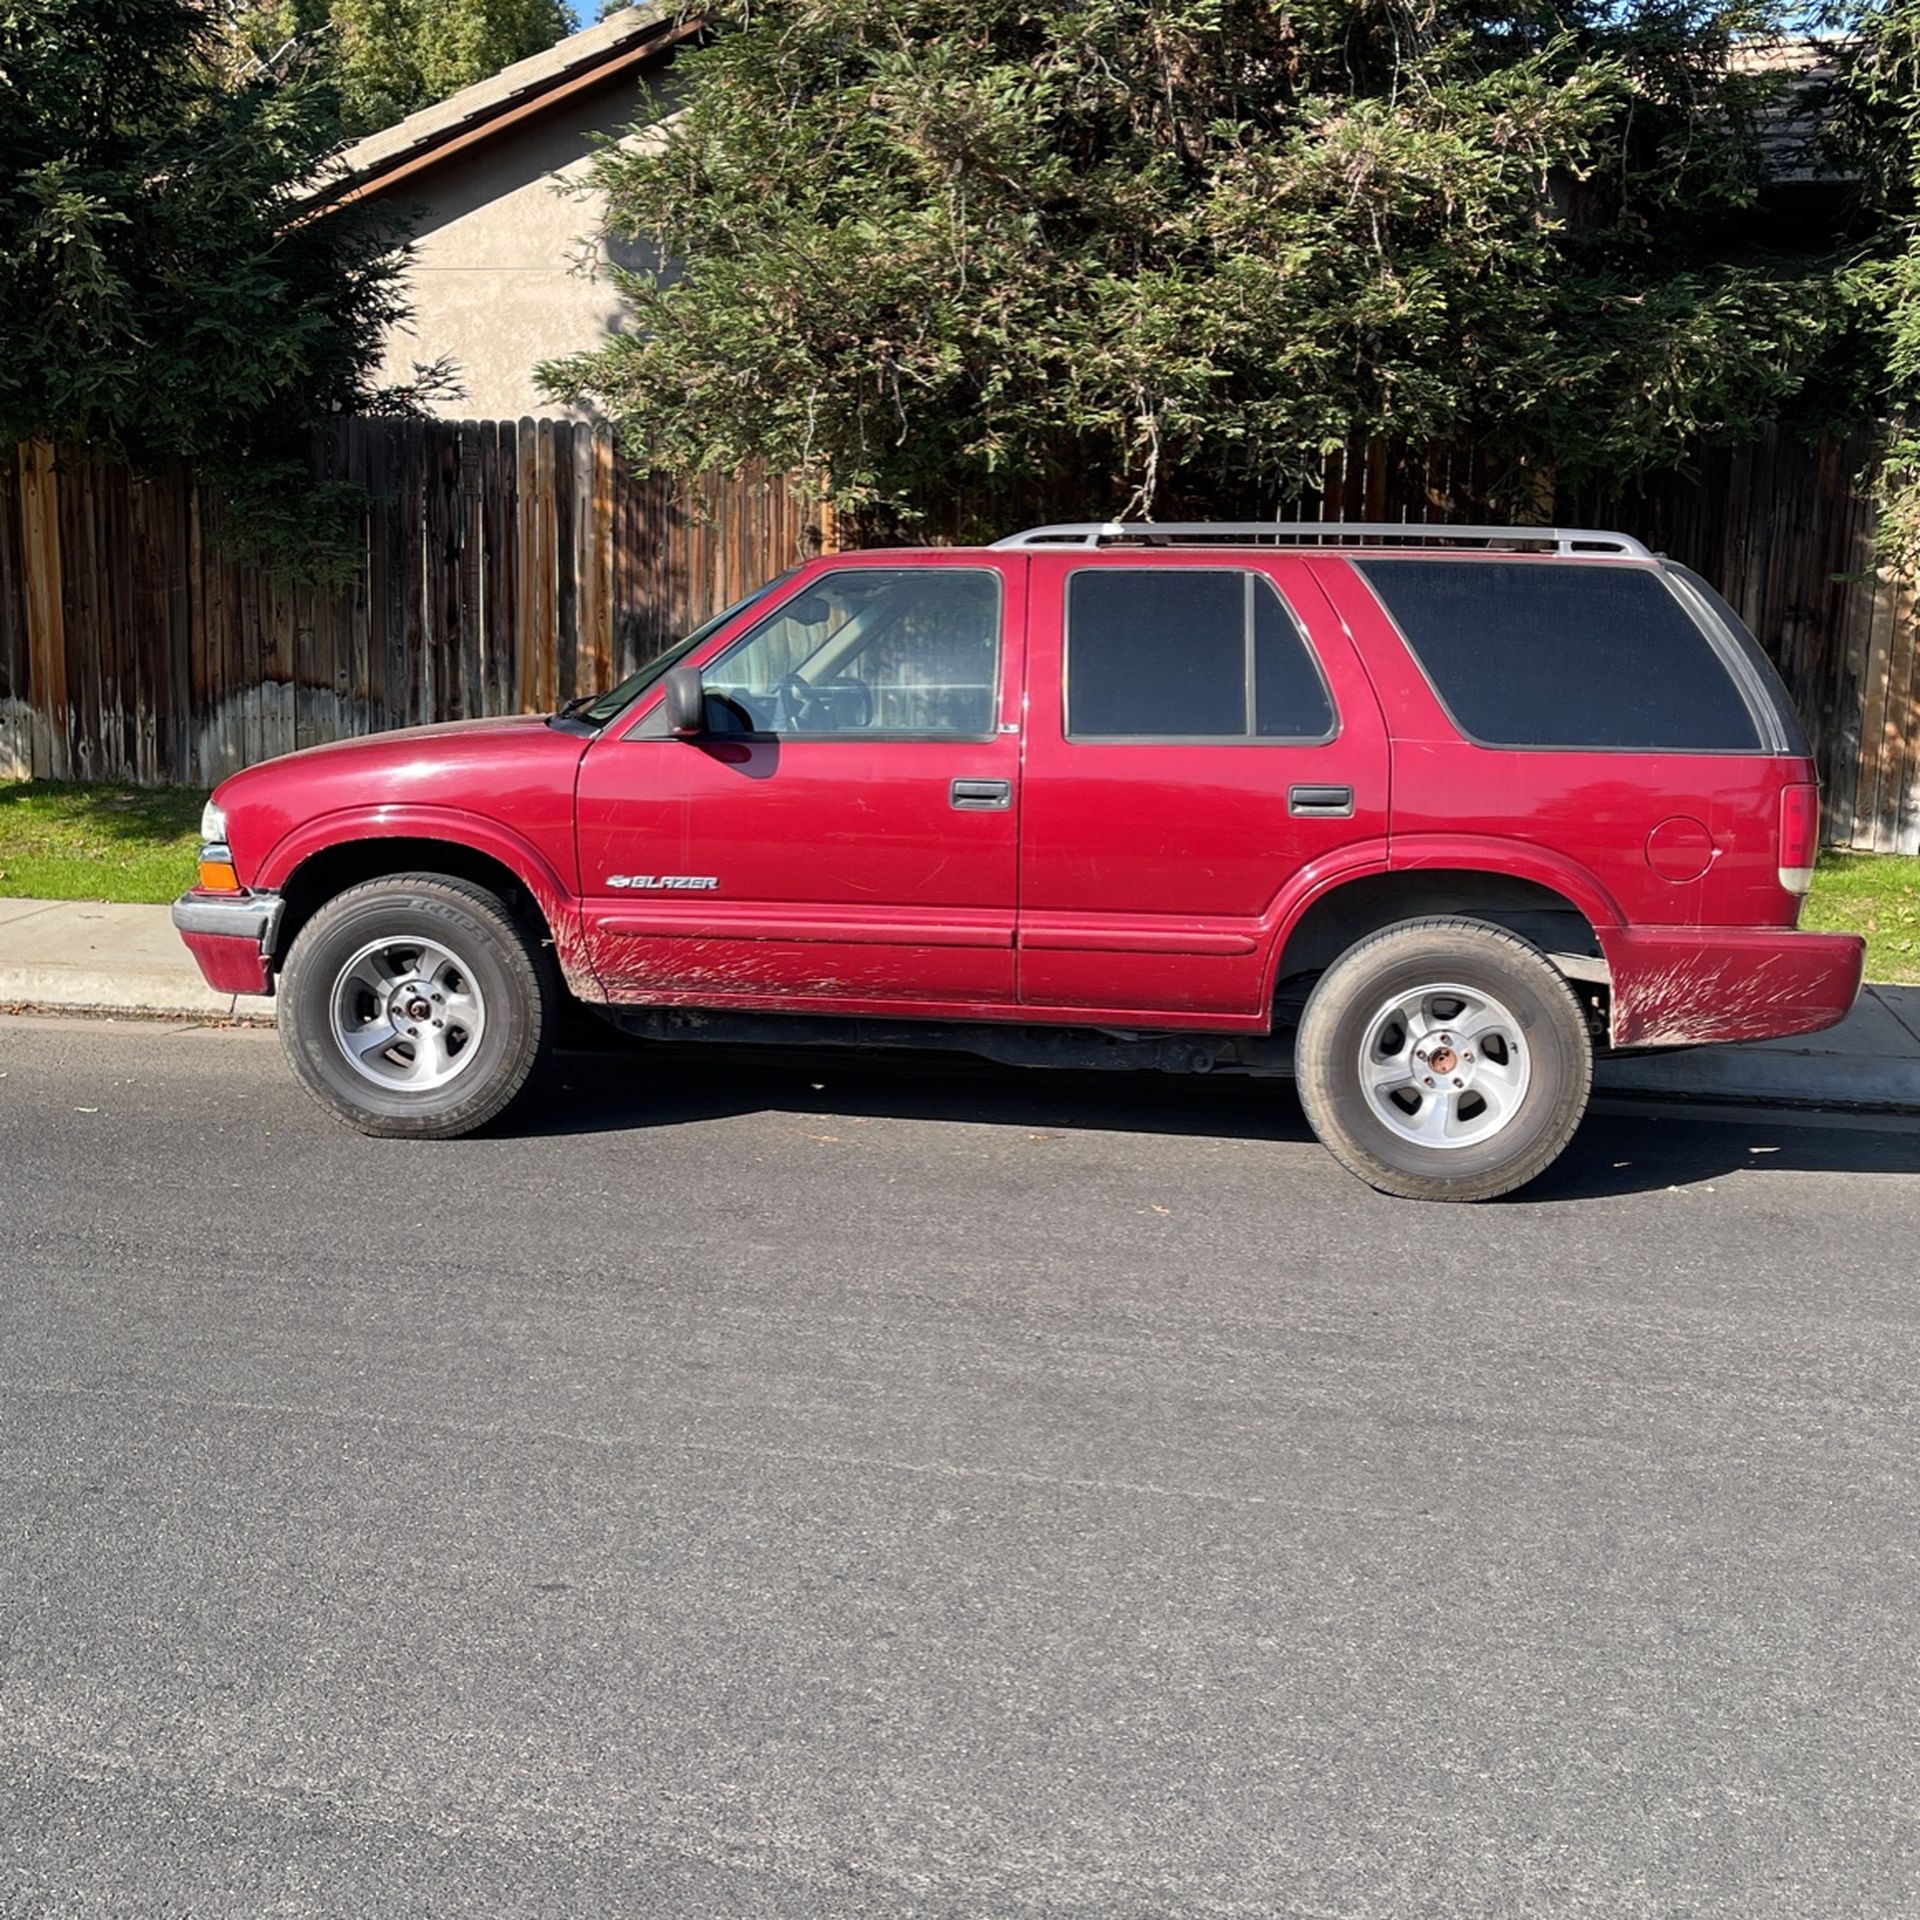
938, 1493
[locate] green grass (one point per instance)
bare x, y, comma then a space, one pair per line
60, 842
1877, 894
128, 843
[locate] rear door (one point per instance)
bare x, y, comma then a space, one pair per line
1201, 736
846, 835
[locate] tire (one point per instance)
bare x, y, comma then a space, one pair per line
1415, 1109
466, 1019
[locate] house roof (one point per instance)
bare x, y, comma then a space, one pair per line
620, 44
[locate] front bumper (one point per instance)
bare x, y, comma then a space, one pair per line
231, 937
1698, 986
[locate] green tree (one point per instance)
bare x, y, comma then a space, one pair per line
391, 57
1140, 252
1872, 118
165, 293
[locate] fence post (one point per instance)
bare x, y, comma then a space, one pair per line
46, 620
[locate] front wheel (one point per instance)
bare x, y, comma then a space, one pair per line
1444, 1060
413, 1007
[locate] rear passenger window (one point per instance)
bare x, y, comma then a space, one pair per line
1188, 653
1528, 654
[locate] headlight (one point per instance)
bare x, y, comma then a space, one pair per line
216, 859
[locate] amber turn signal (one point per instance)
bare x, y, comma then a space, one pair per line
218, 876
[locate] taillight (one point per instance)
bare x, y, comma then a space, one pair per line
1799, 835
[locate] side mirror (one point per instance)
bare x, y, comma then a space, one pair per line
686, 703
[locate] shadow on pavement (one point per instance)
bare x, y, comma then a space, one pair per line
657, 1085
1619, 1150
1622, 1152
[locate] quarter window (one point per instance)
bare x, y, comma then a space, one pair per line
900, 652
1533, 654
1188, 653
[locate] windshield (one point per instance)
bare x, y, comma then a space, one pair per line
607, 706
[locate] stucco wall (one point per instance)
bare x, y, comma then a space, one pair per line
496, 282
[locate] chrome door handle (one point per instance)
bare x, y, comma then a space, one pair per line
1326, 803
981, 796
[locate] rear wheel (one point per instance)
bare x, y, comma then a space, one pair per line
413, 1006
1444, 1060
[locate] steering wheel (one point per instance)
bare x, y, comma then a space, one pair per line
801, 702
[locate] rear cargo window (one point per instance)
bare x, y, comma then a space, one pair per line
1793, 735
1531, 655
1188, 653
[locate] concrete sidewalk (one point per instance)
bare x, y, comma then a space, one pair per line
80, 956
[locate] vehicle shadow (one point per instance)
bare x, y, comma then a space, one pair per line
1622, 1148
1625, 1148
645, 1084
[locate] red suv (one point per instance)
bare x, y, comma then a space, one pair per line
1422, 816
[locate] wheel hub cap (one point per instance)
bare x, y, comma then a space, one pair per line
407, 1014
1444, 1065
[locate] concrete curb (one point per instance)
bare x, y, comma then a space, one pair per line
83, 958
1870, 1062
78, 990
243, 1013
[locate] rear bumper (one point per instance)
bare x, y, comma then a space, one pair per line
231, 936
1696, 986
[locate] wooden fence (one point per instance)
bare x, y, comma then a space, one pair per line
510, 565
507, 567
1782, 529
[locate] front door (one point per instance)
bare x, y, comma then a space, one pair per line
846, 833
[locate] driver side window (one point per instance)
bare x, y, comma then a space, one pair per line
869, 653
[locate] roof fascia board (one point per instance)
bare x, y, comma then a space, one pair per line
522, 107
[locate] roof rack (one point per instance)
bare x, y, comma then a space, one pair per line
1324, 533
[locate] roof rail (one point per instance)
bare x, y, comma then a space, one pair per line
1323, 533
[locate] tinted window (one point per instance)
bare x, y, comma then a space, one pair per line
1289, 697
1173, 653
1527, 654
911, 651
1791, 730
